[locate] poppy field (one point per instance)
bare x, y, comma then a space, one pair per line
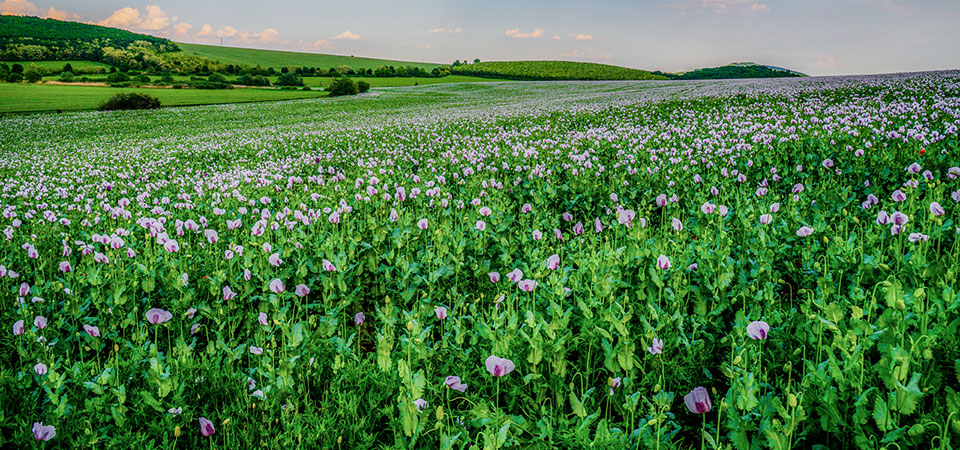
752, 264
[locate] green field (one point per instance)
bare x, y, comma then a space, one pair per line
57, 65
278, 59
554, 70
21, 97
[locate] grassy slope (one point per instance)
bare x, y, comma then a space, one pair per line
22, 97
57, 65
278, 59
554, 70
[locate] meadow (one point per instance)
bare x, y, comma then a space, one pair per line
755, 264
278, 59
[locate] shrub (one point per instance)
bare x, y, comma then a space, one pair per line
66, 76
217, 78
363, 86
166, 77
203, 84
289, 79
248, 80
343, 86
117, 77
132, 100
142, 78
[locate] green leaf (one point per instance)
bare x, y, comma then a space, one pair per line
881, 414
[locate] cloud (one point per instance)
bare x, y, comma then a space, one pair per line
743, 7
54, 13
321, 44
155, 19
585, 54
267, 36
18, 8
583, 37
556, 38
444, 30
181, 29
228, 31
515, 33
205, 30
347, 36
824, 61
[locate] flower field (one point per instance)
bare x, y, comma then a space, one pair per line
738, 265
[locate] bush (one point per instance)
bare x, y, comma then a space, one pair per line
248, 80
217, 78
142, 78
202, 84
343, 86
289, 79
66, 76
363, 86
117, 77
132, 100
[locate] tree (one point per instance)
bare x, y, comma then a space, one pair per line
66, 76
33, 74
284, 70
476, 61
132, 100
217, 78
343, 86
289, 79
67, 68
16, 68
117, 77
363, 86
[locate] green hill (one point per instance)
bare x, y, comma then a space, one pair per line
553, 70
24, 38
277, 59
734, 71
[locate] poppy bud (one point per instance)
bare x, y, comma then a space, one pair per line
916, 430
339, 440
791, 400
927, 354
176, 431
901, 306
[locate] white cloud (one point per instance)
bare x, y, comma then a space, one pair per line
347, 36
267, 36
583, 37
18, 8
556, 37
321, 44
54, 13
205, 30
824, 61
123, 17
515, 33
155, 19
227, 31
181, 29
582, 54
444, 30
685, 7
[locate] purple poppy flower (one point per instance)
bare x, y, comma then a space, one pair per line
171, 246
936, 209
758, 329
359, 318
423, 224
827, 163
262, 318
92, 330
677, 224
211, 235
40, 369
625, 217
275, 260
537, 235
43, 432
558, 234
301, 290
228, 293
899, 218
515, 275
498, 366
526, 208
481, 225
24, 289
698, 401
194, 328
765, 219
65, 267
661, 200
494, 277
40, 322
328, 266
707, 208
420, 403
18, 328
597, 225
917, 237
157, 316
898, 196
527, 285
553, 262
441, 312
453, 382
663, 263
256, 350
485, 212
804, 231
277, 286
206, 427
656, 347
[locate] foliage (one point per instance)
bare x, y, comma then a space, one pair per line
289, 79
552, 70
258, 80
130, 101
342, 86
731, 72
363, 86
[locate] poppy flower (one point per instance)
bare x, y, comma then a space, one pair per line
553, 262
663, 263
277, 286
498, 366
228, 293
359, 318
92, 330
494, 277
527, 285
453, 382
698, 401
206, 427
18, 328
758, 329
262, 318
656, 347
40, 322
441, 312
43, 432
328, 266
157, 316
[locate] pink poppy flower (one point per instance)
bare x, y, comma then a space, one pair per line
275, 260
420, 404
485, 212
328, 266
656, 347
211, 235
515, 275
707, 208
228, 293
40, 369
254, 350
578, 228
597, 225
262, 318
481, 225
526, 208
804, 231
65, 267
206, 427
494, 277
441, 312
423, 224
40, 322
157, 316
24, 289
498, 366
663, 263
171, 246
18, 328
936, 209
677, 224
277, 286
359, 318
765, 219
537, 235
553, 262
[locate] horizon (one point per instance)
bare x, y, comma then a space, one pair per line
664, 35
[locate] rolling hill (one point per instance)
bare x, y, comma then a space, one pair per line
553, 70
278, 59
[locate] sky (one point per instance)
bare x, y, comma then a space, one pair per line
817, 37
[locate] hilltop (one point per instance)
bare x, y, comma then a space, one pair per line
734, 71
553, 70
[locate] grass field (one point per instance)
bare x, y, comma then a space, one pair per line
57, 65
278, 59
554, 70
21, 97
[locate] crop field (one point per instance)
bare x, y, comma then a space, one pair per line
752, 264
22, 97
553, 70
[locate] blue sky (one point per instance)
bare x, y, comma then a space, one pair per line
818, 37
